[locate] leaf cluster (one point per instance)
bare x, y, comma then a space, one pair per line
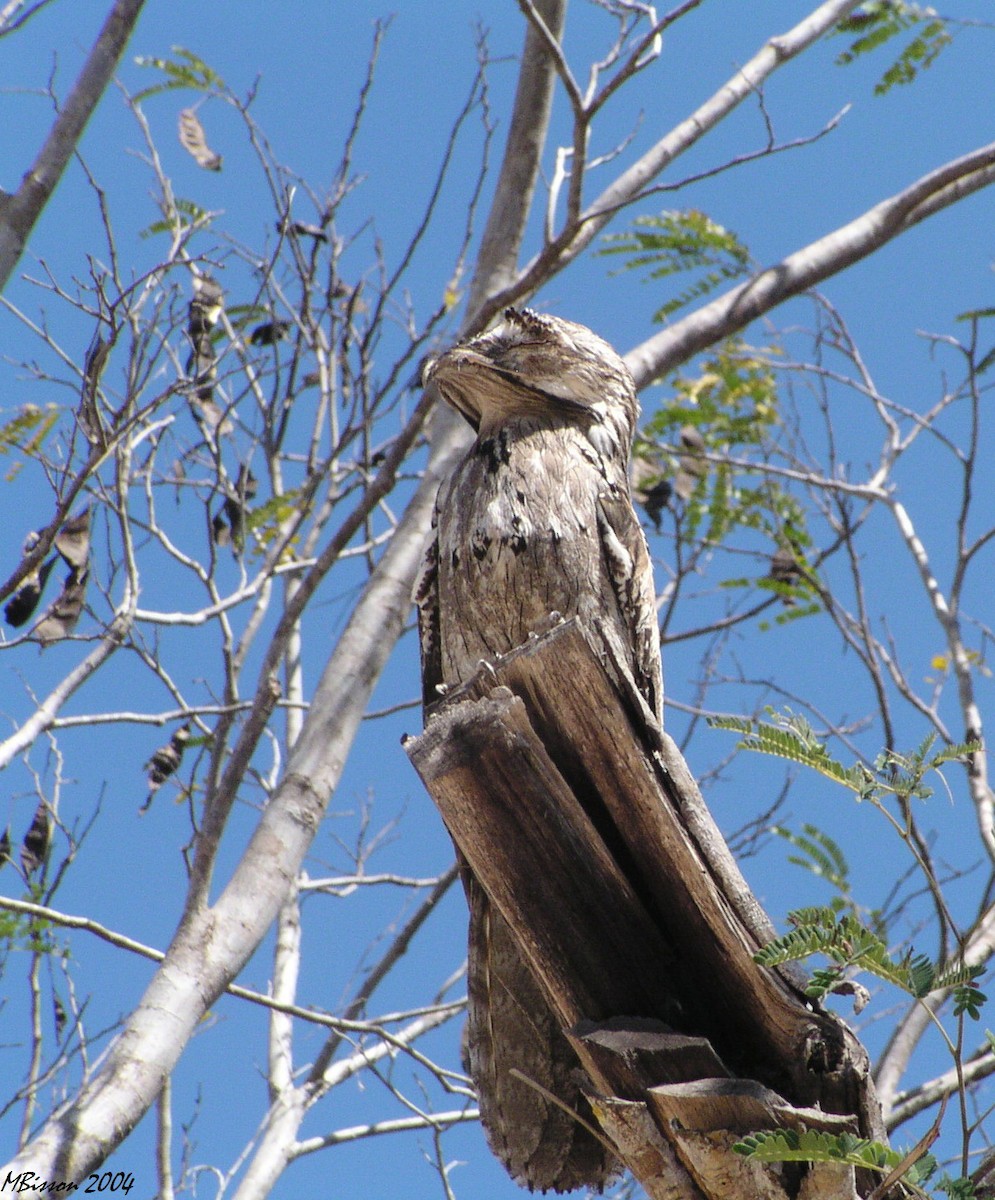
674, 242
823, 857
27, 933
793, 738
851, 945
733, 404
26, 432
878, 22
847, 941
814, 1145
185, 71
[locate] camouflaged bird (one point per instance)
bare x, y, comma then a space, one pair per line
536, 519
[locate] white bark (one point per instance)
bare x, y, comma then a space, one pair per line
20, 211
806, 268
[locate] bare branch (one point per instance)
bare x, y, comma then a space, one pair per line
397, 1125
808, 267
313, 1016
502, 239
577, 236
926, 1095
20, 211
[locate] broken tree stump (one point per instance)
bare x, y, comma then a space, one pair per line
581, 821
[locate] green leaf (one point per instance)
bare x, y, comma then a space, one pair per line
190, 215
26, 432
814, 1145
975, 314
851, 946
191, 73
733, 404
796, 741
267, 521
679, 241
957, 1189
969, 999
917, 56
821, 855
959, 752
878, 22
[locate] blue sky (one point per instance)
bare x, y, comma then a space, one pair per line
309, 59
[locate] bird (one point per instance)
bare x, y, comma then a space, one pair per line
537, 518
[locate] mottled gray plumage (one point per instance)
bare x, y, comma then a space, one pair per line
536, 519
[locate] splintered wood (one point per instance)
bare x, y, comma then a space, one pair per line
580, 819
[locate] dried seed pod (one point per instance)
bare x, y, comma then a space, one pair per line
691, 466
73, 540
194, 141
784, 569
37, 841
166, 761
302, 229
270, 333
61, 618
21, 606
89, 410
205, 307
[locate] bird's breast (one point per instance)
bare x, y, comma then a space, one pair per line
518, 539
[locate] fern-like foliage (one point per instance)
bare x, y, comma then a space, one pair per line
836, 930
789, 735
183, 72
26, 432
878, 22
794, 738
812, 1145
851, 946
820, 854
267, 520
676, 242
189, 215
823, 857
957, 1189
733, 403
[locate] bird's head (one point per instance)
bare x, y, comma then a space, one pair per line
531, 364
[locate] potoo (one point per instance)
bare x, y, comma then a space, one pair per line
536, 519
